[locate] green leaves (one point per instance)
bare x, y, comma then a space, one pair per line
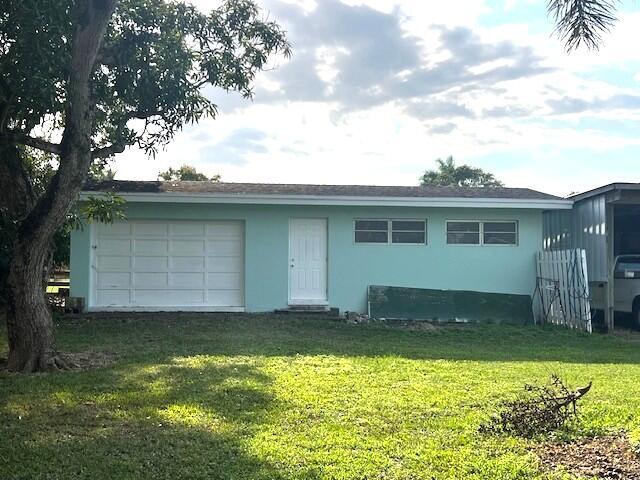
186, 173
156, 57
449, 174
159, 55
106, 208
582, 21
34, 54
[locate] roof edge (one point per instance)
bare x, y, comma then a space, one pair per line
338, 200
604, 189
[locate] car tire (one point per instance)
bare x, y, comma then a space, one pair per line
636, 313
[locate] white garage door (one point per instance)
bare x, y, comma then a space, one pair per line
168, 265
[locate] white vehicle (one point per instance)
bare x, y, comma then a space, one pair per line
627, 287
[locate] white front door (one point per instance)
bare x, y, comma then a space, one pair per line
308, 261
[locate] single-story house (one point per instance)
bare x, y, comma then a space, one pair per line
260, 247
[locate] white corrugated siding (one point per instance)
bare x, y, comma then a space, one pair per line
582, 227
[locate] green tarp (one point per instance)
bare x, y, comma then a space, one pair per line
448, 305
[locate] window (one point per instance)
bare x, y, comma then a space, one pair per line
391, 231
482, 233
628, 267
372, 231
463, 233
408, 231
500, 233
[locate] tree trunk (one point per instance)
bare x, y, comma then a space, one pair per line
16, 199
31, 346
27, 343
29, 324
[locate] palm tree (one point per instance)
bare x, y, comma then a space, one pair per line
581, 22
448, 174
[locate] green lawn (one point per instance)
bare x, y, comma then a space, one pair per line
243, 397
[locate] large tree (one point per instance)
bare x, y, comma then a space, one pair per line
448, 174
84, 79
581, 22
40, 171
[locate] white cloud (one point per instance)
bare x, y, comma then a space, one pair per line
378, 105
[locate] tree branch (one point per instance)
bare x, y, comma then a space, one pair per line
143, 115
119, 146
12, 137
5, 87
106, 152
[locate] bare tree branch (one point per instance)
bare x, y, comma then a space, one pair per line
108, 151
12, 137
118, 146
142, 115
582, 21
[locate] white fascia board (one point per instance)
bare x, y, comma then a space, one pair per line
326, 200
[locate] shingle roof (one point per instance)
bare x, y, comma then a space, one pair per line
129, 186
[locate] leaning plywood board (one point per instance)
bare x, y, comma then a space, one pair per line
448, 305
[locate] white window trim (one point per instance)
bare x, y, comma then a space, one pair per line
425, 230
481, 233
355, 230
390, 230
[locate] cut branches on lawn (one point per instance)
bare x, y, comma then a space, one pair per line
538, 409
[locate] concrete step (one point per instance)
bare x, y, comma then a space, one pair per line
309, 310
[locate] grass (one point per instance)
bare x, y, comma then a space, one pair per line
247, 397
56, 289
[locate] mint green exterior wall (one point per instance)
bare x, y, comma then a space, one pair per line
79, 263
352, 267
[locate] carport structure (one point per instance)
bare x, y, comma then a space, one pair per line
606, 223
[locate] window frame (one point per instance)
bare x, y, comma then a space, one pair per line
356, 230
516, 232
390, 230
482, 232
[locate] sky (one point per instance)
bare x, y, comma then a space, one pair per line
377, 90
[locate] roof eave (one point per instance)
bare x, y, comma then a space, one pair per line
334, 200
604, 189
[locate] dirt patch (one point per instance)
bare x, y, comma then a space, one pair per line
415, 326
80, 360
88, 360
607, 458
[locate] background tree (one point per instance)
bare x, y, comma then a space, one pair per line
99, 172
186, 173
82, 80
582, 21
448, 174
